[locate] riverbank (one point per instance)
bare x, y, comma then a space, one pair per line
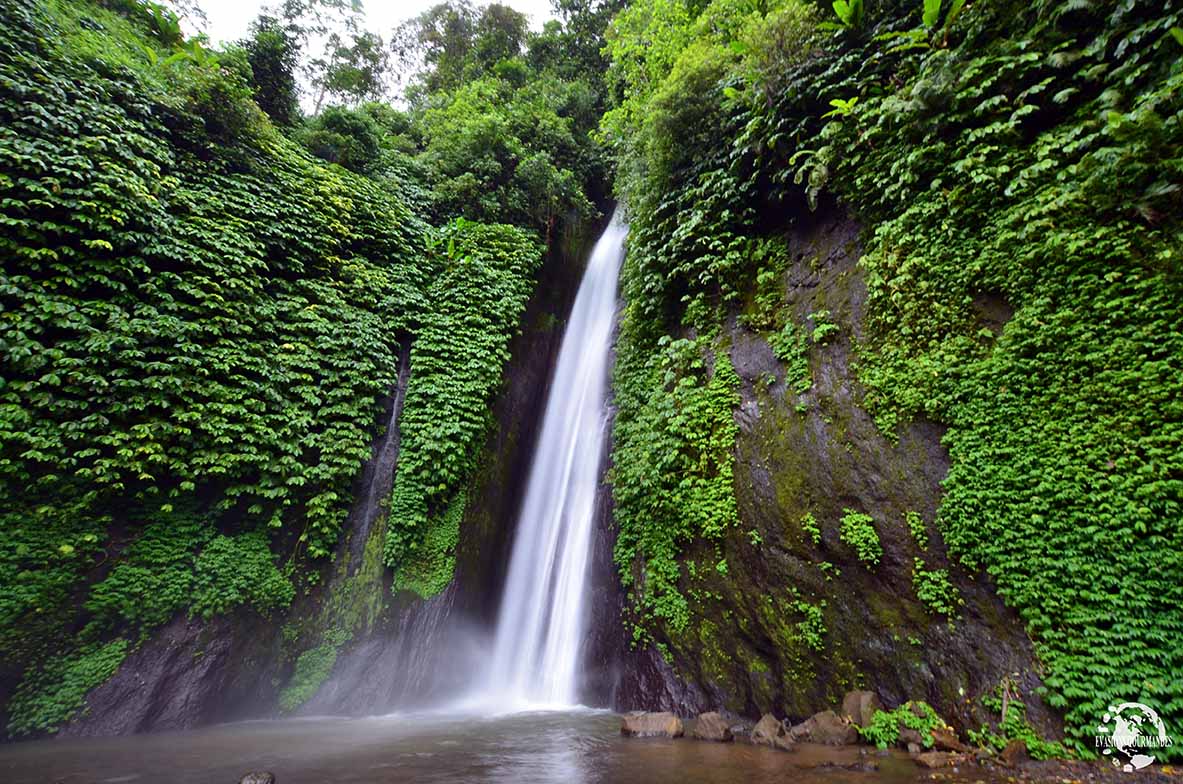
579, 746
830, 741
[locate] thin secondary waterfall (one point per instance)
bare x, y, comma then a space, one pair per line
540, 628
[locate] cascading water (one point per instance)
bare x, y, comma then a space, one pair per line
540, 628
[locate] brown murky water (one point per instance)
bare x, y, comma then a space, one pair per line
580, 747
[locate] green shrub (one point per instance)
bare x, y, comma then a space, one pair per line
885, 726
457, 361
791, 346
672, 481
1014, 726
934, 589
917, 528
313, 668
810, 527
230, 571
858, 531
52, 695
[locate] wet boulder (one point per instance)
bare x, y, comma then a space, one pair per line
945, 739
910, 737
258, 777
938, 759
642, 724
742, 731
860, 706
1015, 753
826, 728
770, 731
711, 726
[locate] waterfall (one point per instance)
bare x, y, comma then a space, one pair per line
540, 628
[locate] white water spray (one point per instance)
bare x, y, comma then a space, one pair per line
541, 625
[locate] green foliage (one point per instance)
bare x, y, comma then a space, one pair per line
885, 726
502, 123
842, 107
823, 328
1057, 190
353, 69
53, 695
791, 346
810, 527
459, 43
44, 552
1014, 726
858, 531
313, 668
917, 528
674, 438
497, 152
1017, 159
154, 578
181, 564
934, 589
236, 570
273, 54
186, 350
430, 570
456, 365
198, 324
812, 630
347, 137
850, 13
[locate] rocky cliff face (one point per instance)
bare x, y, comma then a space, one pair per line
796, 620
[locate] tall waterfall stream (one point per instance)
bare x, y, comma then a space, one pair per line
540, 629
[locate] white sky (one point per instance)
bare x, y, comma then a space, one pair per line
229, 19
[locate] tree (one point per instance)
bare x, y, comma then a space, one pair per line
500, 35
584, 22
354, 69
452, 43
273, 53
434, 46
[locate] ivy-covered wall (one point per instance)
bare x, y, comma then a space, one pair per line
199, 323
1015, 169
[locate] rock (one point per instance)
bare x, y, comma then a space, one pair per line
860, 706
937, 759
770, 731
712, 726
640, 724
1015, 753
913, 748
258, 777
742, 732
909, 736
827, 728
946, 739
